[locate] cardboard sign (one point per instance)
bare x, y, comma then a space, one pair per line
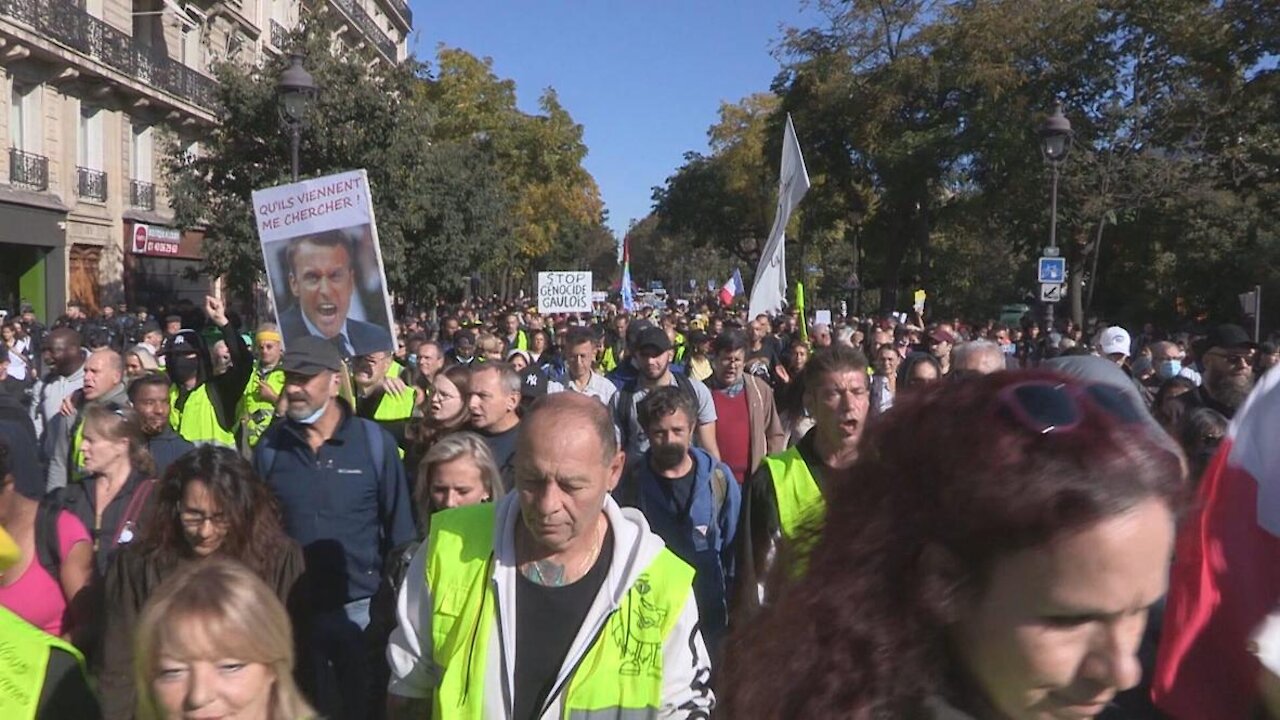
822, 317
564, 292
320, 248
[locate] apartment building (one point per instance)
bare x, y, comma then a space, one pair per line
97, 91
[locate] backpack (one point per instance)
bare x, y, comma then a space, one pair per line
373, 432
625, 410
48, 544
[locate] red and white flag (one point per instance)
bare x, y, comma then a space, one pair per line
1226, 572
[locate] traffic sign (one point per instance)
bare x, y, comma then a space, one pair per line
1051, 292
1052, 270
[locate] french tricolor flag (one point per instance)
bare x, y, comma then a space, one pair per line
731, 288
1226, 572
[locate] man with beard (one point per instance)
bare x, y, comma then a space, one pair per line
785, 497
202, 405
747, 422
150, 397
344, 498
651, 359
1228, 356
690, 500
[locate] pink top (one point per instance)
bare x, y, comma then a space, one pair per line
36, 596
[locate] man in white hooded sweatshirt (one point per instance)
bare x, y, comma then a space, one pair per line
553, 602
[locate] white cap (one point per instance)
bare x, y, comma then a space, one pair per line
1114, 341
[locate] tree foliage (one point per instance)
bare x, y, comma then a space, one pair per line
462, 181
918, 120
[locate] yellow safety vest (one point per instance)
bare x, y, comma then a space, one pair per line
607, 361
252, 402
800, 501
395, 407
394, 369
77, 455
621, 673
24, 661
197, 421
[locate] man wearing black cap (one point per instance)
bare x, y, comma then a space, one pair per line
344, 498
1228, 356
651, 360
203, 407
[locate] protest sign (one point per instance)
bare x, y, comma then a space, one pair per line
320, 248
564, 292
822, 317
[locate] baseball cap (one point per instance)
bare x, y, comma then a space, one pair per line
653, 337
1228, 336
311, 355
942, 335
1114, 340
149, 326
182, 341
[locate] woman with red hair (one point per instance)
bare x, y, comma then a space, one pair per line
993, 554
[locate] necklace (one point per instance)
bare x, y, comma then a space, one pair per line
550, 574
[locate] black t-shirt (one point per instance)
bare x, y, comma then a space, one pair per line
547, 621
503, 447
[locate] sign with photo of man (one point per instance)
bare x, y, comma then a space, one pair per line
320, 247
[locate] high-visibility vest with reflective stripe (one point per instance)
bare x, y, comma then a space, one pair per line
607, 360
800, 501
252, 403
620, 676
24, 661
197, 421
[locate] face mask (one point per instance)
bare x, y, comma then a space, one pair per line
183, 368
1168, 368
413, 358
1009, 349
313, 417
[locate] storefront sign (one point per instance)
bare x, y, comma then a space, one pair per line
156, 240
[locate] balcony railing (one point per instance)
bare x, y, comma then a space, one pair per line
91, 184
65, 22
369, 27
142, 195
278, 35
28, 169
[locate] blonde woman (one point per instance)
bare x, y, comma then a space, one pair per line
458, 470
215, 641
139, 361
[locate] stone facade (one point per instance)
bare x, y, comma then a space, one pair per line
92, 90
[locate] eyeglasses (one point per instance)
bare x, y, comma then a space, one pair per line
1237, 358
1047, 407
195, 518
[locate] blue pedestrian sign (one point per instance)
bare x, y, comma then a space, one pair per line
1053, 270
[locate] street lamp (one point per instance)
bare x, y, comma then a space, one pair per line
295, 91
1055, 144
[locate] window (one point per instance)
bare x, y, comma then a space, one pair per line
24, 118
140, 158
90, 145
191, 48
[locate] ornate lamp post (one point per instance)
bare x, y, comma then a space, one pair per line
1055, 145
295, 92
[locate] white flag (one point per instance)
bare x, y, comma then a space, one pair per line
770, 285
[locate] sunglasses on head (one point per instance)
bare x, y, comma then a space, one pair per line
1046, 407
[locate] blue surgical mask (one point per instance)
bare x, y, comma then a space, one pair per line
413, 358
314, 417
1168, 368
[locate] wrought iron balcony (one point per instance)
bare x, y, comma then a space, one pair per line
367, 25
91, 184
278, 35
142, 195
28, 169
64, 21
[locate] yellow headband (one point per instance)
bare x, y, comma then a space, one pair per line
267, 335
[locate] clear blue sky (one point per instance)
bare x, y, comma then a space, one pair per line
645, 78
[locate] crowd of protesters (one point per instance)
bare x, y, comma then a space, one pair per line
666, 512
